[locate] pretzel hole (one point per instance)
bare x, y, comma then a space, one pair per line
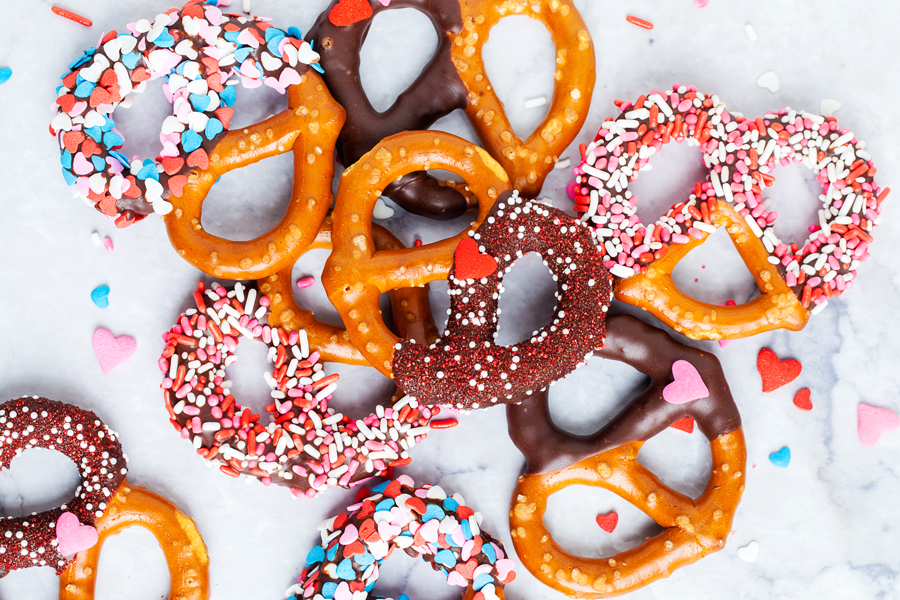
714, 272
521, 45
439, 299
398, 46
527, 304
796, 197
248, 202
571, 518
37, 480
140, 123
132, 565
587, 398
246, 376
682, 461
314, 298
667, 180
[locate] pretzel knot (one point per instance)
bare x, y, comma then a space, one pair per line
795, 279
694, 527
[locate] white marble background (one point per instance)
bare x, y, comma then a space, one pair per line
827, 525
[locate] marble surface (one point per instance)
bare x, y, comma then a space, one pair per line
827, 525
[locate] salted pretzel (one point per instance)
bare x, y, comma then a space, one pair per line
423, 521
608, 459
794, 280
356, 274
527, 162
465, 367
410, 307
69, 538
437, 92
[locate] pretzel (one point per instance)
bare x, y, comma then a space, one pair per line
306, 446
608, 459
528, 162
410, 307
103, 505
423, 521
794, 280
188, 48
356, 274
437, 92
465, 367
134, 506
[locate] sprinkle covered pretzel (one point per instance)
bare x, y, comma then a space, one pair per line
683, 382
437, 92
794, 279
527, 162
423, 521
356, 274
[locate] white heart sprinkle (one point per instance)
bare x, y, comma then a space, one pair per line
186, 48
828, 106
93, 72
270, 62
128, 43
191, 70
306, 55
126, 102
161, 207
768, 80
382, 211
154, 191
97, 182
290, 53
176, 82
213, 101
191, 25
749, 552
435, 492
198, 86
94, 119
142, 26
115, 186
197, 121
112, 48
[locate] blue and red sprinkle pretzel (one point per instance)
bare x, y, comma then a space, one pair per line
741, 155
202, 54
423, 521
305, 445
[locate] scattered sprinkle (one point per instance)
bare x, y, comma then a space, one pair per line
417, 242
72, 16
782, 458
444, 424
700, 3
535, 102
95, 237
246, 6
873, 421
100, 296
382, 211
112, 351
563, 164
774, 371
685, 424
828, 106
5, 74
749, 552
108, 244
751, 33
768, 80
348, 12
305, 282
639, 22
687, 384
608, 521
802, 401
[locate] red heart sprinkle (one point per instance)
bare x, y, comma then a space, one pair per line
608, 522
510, 577
100, 96
339, 521
198, 158
416, 504
392, 490
71, 80
193, 10
774, 371
177, 183
469, 263
354, 548
464, 512
367, 530
477, 547
467, 569
224, 114
66, 102
172, 164
368, 508
89, 148
478, 596
108, 206
109, 36
685, 424
133, 190
109, 78
214, 82
362, 494
348, 12
801, 399
140, 75
357, 586
71, 139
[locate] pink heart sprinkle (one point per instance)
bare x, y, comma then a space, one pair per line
112, 351
385, 2
343, 590
429, 531
467, 550
873, 421
455, 578
73, 536
81, 165
687, 386
248, 39
387, 531
725, 343
504, 566
289, 77
350, 535
481, 570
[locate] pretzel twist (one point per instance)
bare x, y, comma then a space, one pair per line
135, 506
309, 127
527, 162
608, 459
356, 274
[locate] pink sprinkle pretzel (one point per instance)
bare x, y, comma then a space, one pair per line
741, 155
465, 367
422, 521
305, 445
197, 50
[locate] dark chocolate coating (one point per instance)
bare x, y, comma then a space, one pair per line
652, 352
436, 92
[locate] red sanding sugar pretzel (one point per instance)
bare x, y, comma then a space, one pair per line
409, 306
527, 162
683, 382
356, 273
794, 279
465, 367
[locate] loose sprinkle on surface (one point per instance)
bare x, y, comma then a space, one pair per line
305, 282
639, 22
751, 33
100, 296
5, 74
108, 244
769, 81
873, 421
782, 458
750, 552
72, 16
535, 102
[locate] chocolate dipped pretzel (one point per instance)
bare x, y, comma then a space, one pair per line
608, 459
